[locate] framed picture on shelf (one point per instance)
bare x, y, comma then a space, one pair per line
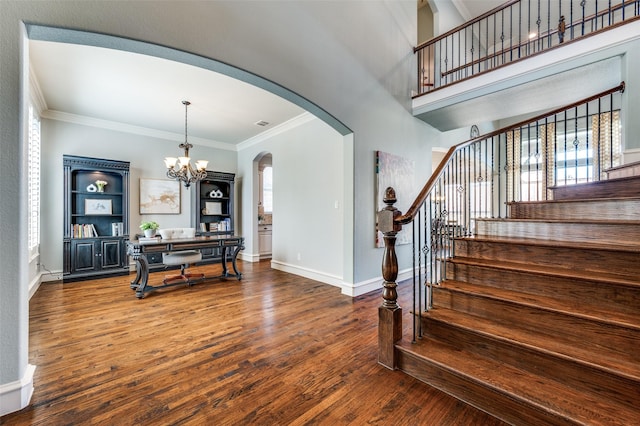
213, 207
97, 206
159, 196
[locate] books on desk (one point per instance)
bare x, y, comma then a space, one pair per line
149, 239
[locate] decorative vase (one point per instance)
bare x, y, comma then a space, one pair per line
149, 233
100, 184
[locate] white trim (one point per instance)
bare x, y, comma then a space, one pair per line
128, 128
34, 285
308, 273
352, 290
249, 257
281, 128
372, 284
51, 276
37, 98
16, 395
145, 131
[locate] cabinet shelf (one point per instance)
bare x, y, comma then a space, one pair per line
99, 237
97, 194
96, 215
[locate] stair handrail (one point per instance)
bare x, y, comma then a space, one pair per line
428, 187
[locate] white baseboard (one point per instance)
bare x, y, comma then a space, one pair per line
364, 287
347, 289
34, 285
51, 276
308, 273
249, 257
16, 395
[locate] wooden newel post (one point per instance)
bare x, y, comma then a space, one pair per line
389, 314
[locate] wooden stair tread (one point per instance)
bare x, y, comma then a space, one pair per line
511, 333
574, 200
597, 182
590, 312
596, 245
547, 395
550, 271
564, 221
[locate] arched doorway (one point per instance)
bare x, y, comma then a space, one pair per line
264, 192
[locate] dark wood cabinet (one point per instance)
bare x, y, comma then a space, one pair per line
96, 217
213, 209
213, 201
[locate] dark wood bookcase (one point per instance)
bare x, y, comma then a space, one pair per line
96, 224
213, 203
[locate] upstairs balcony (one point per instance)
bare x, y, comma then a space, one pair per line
511, 61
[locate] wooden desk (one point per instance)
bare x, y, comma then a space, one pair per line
230, 245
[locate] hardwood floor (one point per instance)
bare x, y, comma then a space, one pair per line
273, 349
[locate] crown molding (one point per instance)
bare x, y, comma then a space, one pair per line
128, 128
35, 92
299, 120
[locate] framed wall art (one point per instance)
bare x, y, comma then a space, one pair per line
159, 196
97, 206
397, 172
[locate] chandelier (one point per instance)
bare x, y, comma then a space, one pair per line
180, 168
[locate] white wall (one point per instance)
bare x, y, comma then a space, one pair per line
308, 180
445, 16
631, 104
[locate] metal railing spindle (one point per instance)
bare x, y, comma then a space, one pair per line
479, 45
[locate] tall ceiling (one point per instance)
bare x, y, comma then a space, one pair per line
80, 82
131, 89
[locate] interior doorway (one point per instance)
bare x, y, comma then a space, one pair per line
265, 205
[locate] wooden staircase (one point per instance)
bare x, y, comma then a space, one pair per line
538, 321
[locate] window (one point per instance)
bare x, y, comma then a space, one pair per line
34, 183
562, 153
267, 189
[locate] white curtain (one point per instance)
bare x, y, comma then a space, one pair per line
514, 155
605, 129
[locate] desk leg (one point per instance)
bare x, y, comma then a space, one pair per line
225, 271
142, 275
233, 261
136, 281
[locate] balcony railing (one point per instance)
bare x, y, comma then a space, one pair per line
514, 31
478, 178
